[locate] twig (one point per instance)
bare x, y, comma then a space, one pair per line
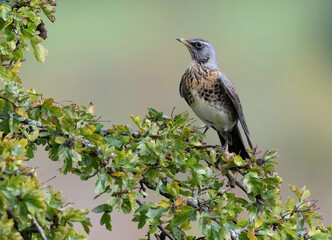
166, 232
40, 230
139, 202
232, 180
95, 173
48, 180
172, 112
298, 209
206, 146
64, 101
233, 235
85, 142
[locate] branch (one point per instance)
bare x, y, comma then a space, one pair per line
85, 142
26, 232
233, 235
166, 232
232, 180
161, 228
40, 230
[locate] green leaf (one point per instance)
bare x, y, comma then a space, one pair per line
34, 135
106, 220
173, 189
185, 213
59, 139
253, 184
8, 76
156, 213
101, 182
103, 208
258, 222
29, 12
290, 232
238, 161
4, 11
180, 145
305, 195
321, 236
212, 232
39, 50
113, 141
290, 204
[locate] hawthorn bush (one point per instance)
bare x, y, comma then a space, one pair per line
162, 155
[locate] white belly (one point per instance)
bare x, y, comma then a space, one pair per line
211, 115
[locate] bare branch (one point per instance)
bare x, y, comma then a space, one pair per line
40, 230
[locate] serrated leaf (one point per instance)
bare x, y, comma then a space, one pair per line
259, 223
184, 214
290, 204
106, 220
39, 50
156, 213
102, 208
305, 195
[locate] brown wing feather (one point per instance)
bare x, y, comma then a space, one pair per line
181, 88
237, 104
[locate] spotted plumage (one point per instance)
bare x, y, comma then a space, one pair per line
212, 96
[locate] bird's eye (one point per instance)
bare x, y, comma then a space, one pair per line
198, 44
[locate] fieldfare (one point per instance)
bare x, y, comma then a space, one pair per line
212, 96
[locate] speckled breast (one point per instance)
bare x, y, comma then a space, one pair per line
203, 91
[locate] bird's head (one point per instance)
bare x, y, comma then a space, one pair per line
201, 51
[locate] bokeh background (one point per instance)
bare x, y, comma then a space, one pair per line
123, 56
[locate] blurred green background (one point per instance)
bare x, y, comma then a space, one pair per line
123, 56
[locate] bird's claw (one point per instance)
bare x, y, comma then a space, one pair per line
225, 146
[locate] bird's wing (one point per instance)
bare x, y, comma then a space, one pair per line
181, 87
229, 88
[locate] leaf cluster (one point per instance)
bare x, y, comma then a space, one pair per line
28, 209
21, 23
23, 198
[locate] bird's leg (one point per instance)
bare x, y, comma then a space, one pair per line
225, 146
227, 136
207, 126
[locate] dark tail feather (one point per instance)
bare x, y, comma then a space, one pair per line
236, 144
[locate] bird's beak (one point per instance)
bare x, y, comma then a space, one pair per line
184, 41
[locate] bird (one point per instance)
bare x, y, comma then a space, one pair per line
212, 96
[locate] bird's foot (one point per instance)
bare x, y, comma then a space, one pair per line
225, 146
205, 130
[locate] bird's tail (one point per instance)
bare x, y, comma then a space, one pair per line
235, 144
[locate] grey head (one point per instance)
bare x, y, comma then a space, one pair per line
201, 51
